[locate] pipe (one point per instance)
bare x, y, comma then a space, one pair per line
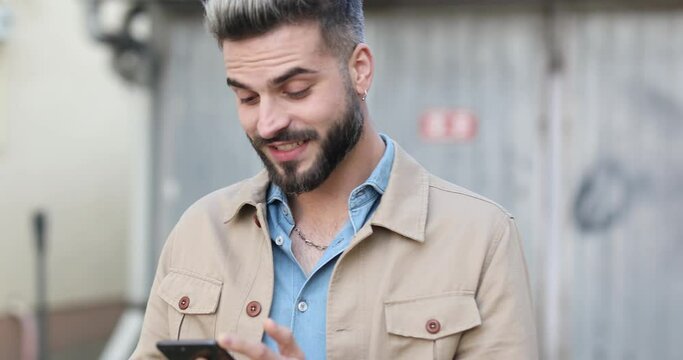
39, 228
552, 292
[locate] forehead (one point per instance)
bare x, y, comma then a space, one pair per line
269, 54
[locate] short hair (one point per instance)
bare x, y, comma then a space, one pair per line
341, 21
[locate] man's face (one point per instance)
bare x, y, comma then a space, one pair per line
295, 103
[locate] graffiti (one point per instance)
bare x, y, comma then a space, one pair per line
603, 197
606, 191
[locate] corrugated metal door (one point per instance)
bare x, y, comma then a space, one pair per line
623, 190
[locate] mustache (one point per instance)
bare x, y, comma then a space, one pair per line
286, 135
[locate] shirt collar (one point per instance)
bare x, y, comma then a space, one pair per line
275, 194
379, 178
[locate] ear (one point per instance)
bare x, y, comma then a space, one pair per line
361, 68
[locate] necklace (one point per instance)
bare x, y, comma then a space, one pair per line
309, 243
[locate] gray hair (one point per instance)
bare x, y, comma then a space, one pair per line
341, 21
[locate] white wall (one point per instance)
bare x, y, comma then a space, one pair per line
65, 124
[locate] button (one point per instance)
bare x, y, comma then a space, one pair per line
279, 241
184, 303
253, 308
258, 223
302, 306
285, 211
433, 326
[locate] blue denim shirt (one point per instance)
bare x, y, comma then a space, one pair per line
300, 302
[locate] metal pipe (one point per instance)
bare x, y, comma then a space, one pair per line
550, 325
39, 227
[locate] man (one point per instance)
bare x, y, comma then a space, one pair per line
345, 247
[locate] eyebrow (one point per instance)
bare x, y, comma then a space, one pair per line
237, 84
277, 81
290, 74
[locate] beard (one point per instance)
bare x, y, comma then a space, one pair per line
339, 140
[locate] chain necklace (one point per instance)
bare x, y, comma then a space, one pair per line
309, 243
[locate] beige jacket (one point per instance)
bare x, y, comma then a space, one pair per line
437, 273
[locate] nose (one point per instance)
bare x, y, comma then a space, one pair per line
271, 118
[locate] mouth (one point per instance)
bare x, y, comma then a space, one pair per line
287, 147
287, 151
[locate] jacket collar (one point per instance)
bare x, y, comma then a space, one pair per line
250, 192
402, 209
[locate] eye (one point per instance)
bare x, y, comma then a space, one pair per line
298, 94
249, 100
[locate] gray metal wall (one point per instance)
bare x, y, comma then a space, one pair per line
621, 235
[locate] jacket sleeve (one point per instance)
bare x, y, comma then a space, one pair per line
155, 326
507, 329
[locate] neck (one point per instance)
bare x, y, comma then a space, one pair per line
329, 200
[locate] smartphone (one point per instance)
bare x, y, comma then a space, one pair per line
192, 349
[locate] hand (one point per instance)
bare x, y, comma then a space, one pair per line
289, 350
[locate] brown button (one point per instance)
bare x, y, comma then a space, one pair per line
253, 308
433, 326
258, 223
184, 303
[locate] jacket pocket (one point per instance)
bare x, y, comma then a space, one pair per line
192, 304
431, 325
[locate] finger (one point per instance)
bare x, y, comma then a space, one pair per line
255, 351
284, 338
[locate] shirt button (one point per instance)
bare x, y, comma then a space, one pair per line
253, 308
279, 241
285, 211
433, 326
302, 306
184, 303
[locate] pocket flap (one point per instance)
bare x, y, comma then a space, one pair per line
432, 317
190, 293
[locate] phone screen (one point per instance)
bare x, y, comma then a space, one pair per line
192, 349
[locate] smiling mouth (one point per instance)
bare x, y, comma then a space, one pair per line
287, 151
288, 147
